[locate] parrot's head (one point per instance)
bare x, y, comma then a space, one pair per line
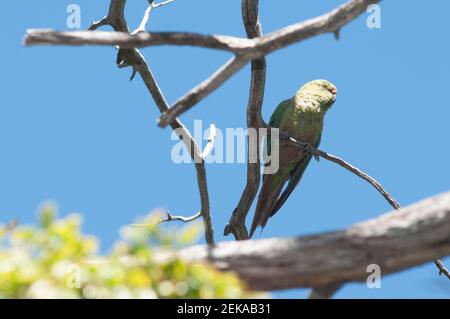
322, 90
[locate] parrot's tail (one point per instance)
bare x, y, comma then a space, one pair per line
266, 201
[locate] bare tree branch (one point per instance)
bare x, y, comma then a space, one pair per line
236, 45
324, 292
332, 158
115, 18
329, 290
183, 219
97, 24
156, 5
245, 49
442, 270
236, 224
152, 5
202, 90
134, 58
190, 143
401, 239
211, 139
250, 48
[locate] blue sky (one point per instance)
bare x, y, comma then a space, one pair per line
75, 130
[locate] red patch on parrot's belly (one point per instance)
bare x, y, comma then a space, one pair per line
289, 152
310, 138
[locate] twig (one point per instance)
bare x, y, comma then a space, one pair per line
171, 217
361, 174
328, 290
442, 270
115, 18
144, 22
156, 5
346, 165
97, 24
11, 225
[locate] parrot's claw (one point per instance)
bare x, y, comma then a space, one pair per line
284, 137
313, 151
307, 148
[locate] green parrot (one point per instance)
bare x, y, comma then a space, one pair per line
302, 118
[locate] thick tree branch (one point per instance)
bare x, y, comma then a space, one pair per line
250, 48
236, 224
398, 240
139, 40
324, 292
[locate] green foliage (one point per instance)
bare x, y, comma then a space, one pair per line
55, 260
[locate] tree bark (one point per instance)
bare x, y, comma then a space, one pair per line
397, 240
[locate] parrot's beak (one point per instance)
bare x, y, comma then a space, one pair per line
334, 92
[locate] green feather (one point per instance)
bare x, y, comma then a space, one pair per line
276, 118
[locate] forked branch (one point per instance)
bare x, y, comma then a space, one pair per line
245, 49
133, 58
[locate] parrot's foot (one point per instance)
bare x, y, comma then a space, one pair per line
307, 148
284, 136
312, 150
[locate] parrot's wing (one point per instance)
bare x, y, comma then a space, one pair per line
294, 178
276, 118
277, 115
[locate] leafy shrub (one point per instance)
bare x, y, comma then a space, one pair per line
55, 260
